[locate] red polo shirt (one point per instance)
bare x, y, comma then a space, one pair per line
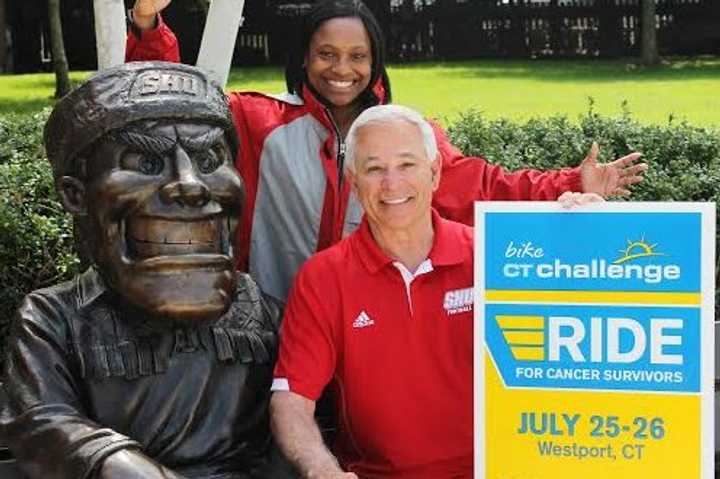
397, 351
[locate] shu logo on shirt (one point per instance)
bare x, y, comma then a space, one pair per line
458, 301
363, 321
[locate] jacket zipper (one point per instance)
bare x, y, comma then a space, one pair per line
340, 149
341, 161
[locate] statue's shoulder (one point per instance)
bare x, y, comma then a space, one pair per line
56, 313
64, 299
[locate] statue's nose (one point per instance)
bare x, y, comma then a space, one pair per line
186, 188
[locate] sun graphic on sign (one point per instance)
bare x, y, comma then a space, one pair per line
637, 249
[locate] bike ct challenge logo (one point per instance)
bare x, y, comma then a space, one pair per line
622, 268
596, 346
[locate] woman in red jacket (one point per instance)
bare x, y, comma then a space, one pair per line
292, 145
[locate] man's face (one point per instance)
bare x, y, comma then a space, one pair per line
394, 178
162, 201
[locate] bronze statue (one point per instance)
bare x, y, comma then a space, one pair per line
157, 361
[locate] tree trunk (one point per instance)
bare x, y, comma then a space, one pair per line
3, 38
60, 63
648, 45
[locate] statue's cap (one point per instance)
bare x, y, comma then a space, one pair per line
131, 92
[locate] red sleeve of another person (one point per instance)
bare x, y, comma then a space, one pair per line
159, 43
309, 338
465, 180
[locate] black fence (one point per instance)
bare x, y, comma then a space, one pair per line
456, 29
415, 29
549, 28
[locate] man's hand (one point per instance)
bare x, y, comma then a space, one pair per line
610, 179
145, 12
334, 475
571, 199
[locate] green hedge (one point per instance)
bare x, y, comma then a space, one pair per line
36, 246
35, 234
684, 159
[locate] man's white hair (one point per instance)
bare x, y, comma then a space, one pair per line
388, 114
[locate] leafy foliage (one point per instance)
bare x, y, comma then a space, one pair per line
684, 159
36, 244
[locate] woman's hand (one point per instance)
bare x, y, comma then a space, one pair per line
611, 179
145, 12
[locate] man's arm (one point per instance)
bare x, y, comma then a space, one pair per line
292, 420
309, 343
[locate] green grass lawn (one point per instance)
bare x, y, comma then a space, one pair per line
518, 90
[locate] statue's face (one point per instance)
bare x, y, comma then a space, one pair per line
161, 206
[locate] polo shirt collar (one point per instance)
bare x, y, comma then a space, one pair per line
444, 251
370, 253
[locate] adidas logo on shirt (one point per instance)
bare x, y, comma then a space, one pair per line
363, 321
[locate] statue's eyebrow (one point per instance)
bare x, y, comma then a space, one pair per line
144, 142
202, 142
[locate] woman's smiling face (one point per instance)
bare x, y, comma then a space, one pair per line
339, 60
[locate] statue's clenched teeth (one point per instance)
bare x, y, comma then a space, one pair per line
147, 237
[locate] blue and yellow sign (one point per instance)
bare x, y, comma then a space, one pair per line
594, 341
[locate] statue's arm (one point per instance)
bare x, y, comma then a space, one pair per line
132, 464
45, 419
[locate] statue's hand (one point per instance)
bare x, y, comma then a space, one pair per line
145, 12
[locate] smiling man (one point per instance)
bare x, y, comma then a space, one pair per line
157, 361
385, 319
